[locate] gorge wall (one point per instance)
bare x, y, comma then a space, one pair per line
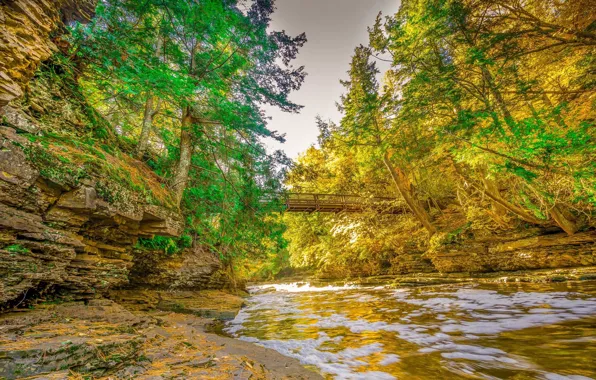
505, 251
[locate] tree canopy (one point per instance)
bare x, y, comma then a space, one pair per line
484, 122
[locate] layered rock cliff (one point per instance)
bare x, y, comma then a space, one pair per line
63, 234
25, 38
533, 248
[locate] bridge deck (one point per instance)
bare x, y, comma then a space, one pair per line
333, 203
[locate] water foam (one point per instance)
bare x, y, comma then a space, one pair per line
438, 323
302, 287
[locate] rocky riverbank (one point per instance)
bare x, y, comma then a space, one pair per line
538, 276
103, 339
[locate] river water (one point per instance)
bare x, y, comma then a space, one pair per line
485, 331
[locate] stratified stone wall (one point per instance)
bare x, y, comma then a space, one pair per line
411, 261
193, 268
518, 250
54, 235
25, 29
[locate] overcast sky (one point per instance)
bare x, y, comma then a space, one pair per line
333, 28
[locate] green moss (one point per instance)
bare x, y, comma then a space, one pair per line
126, 330
56, 301
74, 348
101, 133
17, 248
56, 168
452, 237
70, 167
178, 307
64, 160
19, 369
105, 192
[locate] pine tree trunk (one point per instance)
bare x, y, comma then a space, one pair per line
404, 188
146, 128
186, 146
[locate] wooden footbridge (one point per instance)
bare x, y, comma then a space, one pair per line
334, 203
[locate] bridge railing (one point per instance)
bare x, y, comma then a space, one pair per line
311, 202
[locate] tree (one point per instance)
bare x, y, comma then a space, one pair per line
368, 120
485, 119
456, 61
208, 68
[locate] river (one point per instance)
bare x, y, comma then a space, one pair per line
481, 331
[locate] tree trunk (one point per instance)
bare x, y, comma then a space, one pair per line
561, 215
149, 113
146, 129
186, 143
493, 193
492, 187
564, 219
181, 177
499, 213
405, 190
498, 97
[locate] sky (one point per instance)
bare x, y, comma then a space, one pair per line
333, 28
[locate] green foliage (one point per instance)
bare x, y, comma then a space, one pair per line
219, 64
480, 123
170, 246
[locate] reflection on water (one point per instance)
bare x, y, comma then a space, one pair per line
497, 331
